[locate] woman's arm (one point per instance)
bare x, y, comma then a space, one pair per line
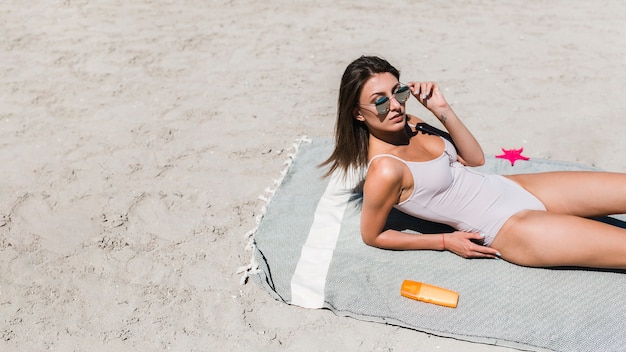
382, 189
459, 243
430, 96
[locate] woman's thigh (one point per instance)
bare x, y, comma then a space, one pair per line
582, 193
543, 239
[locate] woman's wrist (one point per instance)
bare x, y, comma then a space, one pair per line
443, 113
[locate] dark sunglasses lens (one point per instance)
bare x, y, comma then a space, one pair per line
382, 105
402, 94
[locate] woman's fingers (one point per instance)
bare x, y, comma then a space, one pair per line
412, 85
473, 250
428, 92
486, 252
419, 89
424, 91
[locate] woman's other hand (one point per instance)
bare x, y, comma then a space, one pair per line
462, 244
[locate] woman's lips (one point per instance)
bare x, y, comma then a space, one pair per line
396, 118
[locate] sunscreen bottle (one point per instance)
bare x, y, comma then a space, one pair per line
429, 293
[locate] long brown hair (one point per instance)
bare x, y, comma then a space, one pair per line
351, 135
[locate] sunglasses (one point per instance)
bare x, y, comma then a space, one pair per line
401, 94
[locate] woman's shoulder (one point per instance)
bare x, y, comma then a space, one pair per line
386, 168
384, 177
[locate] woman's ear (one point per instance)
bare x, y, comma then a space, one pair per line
357, 115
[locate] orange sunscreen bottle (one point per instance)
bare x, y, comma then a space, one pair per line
429, 293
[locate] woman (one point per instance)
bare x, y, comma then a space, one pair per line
532, 220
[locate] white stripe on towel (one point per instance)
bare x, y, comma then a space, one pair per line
309, 279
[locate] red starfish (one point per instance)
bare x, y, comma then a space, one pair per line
512, 155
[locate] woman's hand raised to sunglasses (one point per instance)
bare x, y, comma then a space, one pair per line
429, 95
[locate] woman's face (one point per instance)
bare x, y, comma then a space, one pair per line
382, 102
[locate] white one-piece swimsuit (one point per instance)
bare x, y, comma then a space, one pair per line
446, 191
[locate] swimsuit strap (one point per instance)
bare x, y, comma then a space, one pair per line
382, 155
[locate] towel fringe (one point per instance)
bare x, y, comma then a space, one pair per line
253, 267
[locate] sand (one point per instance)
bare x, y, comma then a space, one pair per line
137, 136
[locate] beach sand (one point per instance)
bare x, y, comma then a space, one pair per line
137, 136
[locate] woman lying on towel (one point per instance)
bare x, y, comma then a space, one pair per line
533, 219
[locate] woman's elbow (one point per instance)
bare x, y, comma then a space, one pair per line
370, 240
480, 161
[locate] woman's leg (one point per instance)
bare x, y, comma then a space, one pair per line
582, 193
543, 239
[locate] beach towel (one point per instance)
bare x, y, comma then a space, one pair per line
308, 252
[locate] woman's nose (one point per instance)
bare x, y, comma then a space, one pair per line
394, 104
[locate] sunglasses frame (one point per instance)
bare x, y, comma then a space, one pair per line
382, 103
